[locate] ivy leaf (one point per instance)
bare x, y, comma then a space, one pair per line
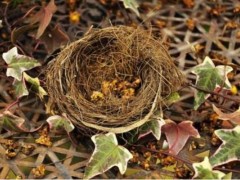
20, 88
44, 17
17, 63
131, 4
107, 153
60, 122
35, 84
172, 98
208, 78
233, 117
178, 134
230, 148
154, 127
13, 123
204, 170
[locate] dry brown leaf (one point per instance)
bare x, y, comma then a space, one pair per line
44, 140
10, 153
217, 11
44, 17
39, 171
27, 149
231, 25
191, 23
189, 3
97, 96
236, 10
238, 35
233, 117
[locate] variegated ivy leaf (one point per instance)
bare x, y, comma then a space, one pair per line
60, 122
13, 123
230, 148
17, 63
107, 153
208, 78
35, 85
20, 88
204, 170
131, 4
153, 126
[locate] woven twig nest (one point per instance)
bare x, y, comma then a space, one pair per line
113, 79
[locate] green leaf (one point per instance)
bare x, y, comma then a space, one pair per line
131, 4
230, 148
203, 170
172, 98
35, 84
10, 122
17, 63
20, 88
107, 153
154, 127
228, 176
208, 78
60, 122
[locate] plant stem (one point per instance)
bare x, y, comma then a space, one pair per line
231, 98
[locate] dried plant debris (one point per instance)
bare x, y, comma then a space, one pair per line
44, 138
39, 171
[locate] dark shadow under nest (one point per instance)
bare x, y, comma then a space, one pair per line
107, 58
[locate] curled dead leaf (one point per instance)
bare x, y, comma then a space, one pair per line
39, 171
44, 140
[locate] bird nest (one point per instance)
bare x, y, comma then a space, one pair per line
113, 79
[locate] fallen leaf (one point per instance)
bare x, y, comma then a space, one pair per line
60, 122
13, 123
44, 17
10, 153
44, 140
131, 4
35, 85
191, 23
233, 117
17, 32
20, 88
27, 149
217, 10
230, 148
53, 38
208, 78
17, 63
178, 134
107, 153
204, 170
189, 3
39, 171
153, 126
172, 98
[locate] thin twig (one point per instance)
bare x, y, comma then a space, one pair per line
231, 98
